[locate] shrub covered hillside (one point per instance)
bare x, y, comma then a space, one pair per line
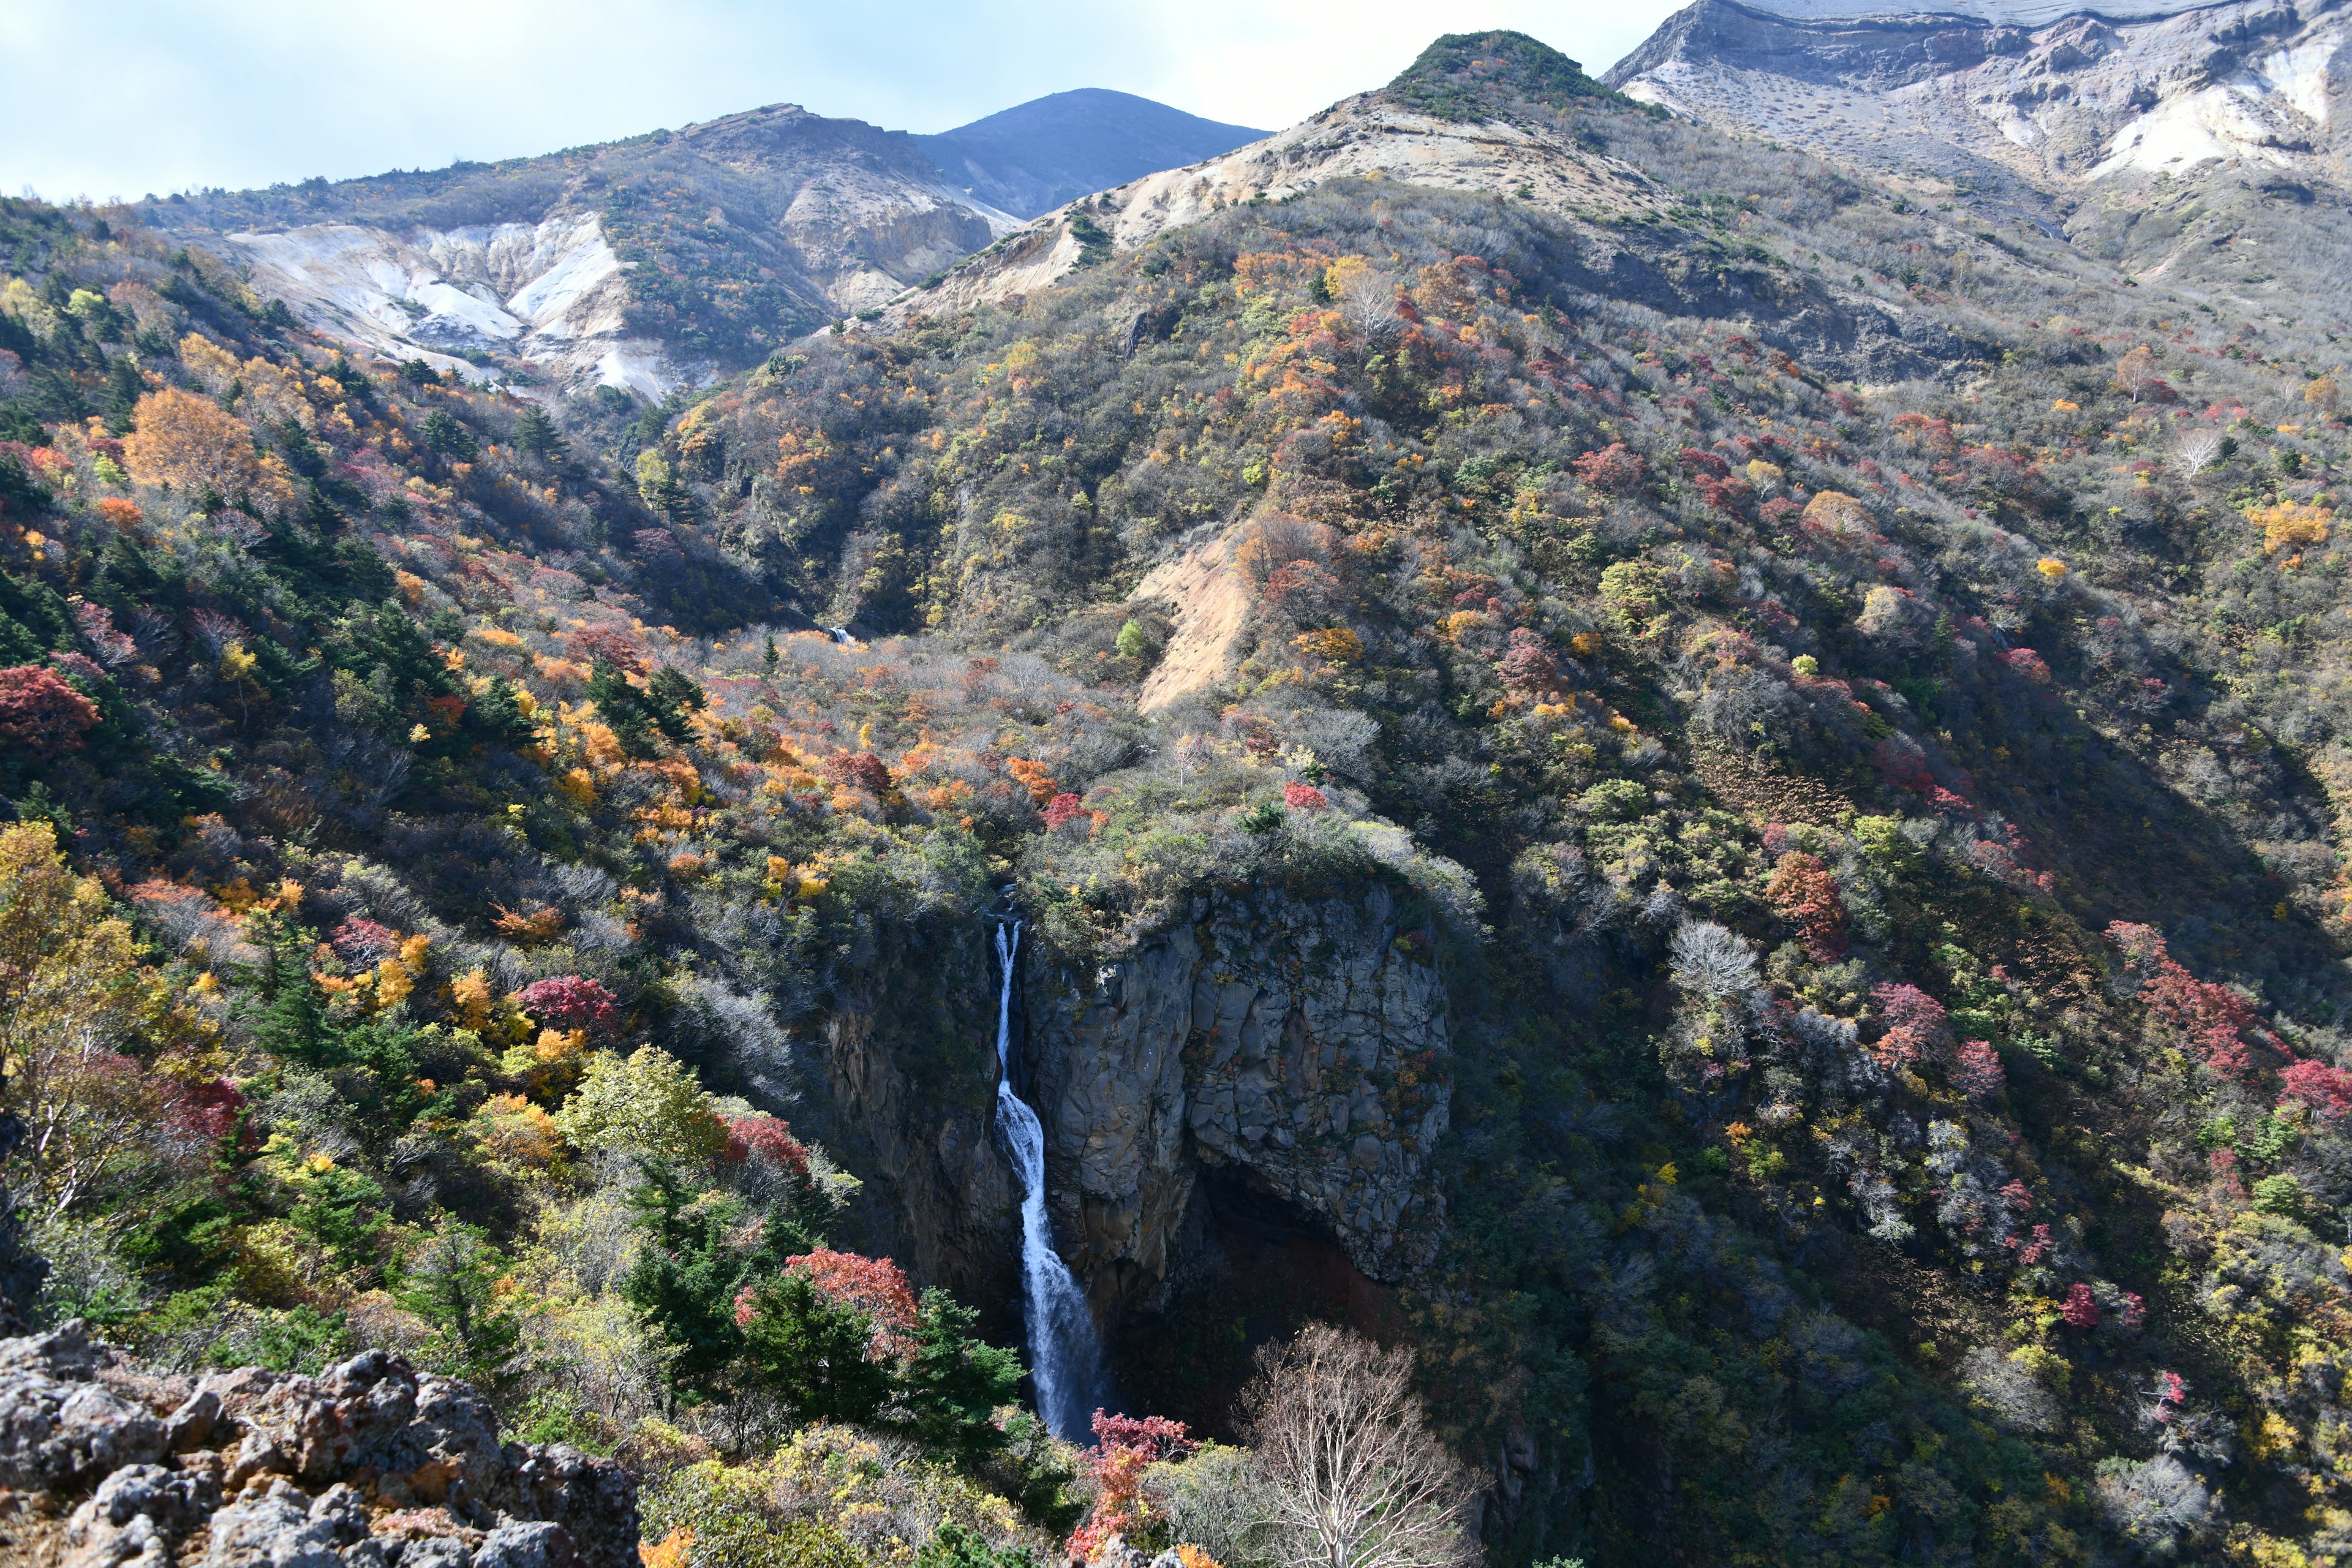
395, 929
1850, 705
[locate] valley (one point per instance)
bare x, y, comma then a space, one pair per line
774, 837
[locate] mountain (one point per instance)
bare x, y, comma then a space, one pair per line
670, 259
1034, 156
1703, 781
2183, 142
647, 263
1410, 131
1999, 12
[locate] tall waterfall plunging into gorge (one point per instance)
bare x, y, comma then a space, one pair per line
1064, 1358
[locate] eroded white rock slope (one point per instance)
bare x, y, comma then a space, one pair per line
552, 293
2054, 95
516, 271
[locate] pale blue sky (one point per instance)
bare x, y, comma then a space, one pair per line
118, 98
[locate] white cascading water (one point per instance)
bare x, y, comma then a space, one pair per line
1064, 1358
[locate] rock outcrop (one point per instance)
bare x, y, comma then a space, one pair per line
1300, 1042
910, 1070
368, 1465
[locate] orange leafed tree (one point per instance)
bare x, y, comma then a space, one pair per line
191, 445
2291, 523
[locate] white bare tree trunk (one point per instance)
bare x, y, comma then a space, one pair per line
1356, 1479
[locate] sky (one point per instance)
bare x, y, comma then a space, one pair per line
109, 98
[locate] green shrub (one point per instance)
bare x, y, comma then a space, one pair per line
735, 1526
2280, 1196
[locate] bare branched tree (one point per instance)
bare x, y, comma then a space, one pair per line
1712, 962
2193, 450
1355, 1478
1368, 304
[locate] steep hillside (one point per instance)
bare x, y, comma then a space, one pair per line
1622, 754
2185, 143
1442, 137
1864, 796
646, 264
1034, 156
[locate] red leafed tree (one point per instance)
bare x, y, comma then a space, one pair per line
1908, 1007
600, 642
2079, 1309
571, 1002
1899, 1047
765, 1137
1529, 664
1306, 590
1615, 470
1124, 1447
40, 709
1063, 808
1303, 796
364, 941
2028, 664
1976, 1070
2217, 1020
2326, 1089
859, 770
874, 1286
205, 1111
1804, 892
1696, 461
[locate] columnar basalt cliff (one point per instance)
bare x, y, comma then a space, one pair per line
1301, 1041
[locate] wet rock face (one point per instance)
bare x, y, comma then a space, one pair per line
369, 1465
910, 1076
1300, 1042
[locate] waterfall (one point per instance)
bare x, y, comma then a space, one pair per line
1065, 1359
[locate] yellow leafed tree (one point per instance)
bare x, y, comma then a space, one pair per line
2291, 523
189, 444
72, 995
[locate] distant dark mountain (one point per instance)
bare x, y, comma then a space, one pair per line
1032, 158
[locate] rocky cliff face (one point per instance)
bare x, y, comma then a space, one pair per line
369, 1465
1297, 1043
909, 1064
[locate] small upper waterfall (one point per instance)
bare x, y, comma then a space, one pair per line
1064, 1358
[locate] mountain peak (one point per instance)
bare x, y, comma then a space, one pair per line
1464, 76
1034, 156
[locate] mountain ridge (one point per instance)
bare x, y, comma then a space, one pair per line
655, 261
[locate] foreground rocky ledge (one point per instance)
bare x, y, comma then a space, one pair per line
105, 1462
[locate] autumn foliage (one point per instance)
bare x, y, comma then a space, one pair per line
38, 708
1804, 892
570, 1002
2220, 1022
191, 445
1124, 1448
874, 1286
